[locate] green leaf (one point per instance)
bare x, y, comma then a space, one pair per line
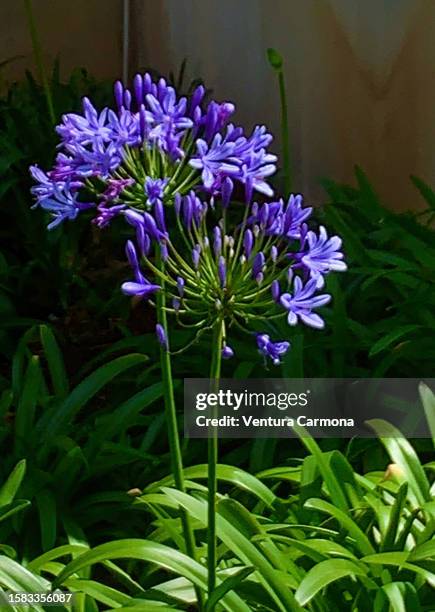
394, 519
334, 486
116, 422
12, 484
55, 362
323, 574
100, 592
37, 564
9, 510
394, 335
428, 401
402, 453
226, 473
423, 551
152, 552
402, 597
46, 504
242, 548
229, 584
427, 193
17, 578
28, 399
80, 395
361, 540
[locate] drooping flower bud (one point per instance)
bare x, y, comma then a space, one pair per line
180, 285
161, 336
227, 352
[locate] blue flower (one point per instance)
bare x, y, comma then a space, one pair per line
302, 302
273, 350
62, 204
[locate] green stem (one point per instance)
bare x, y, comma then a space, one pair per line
38, 58
215, 373
285, 135
171, 418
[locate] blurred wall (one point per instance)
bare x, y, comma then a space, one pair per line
84, 33
360, 73
360, 77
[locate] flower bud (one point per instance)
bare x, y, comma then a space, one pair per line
227, 352
119, 94
227, 190
180, 285
276, 291
161, 336
248, 242
138, 88
222, 271
217, 241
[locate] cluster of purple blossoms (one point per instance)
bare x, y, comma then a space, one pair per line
153, 146
168, 166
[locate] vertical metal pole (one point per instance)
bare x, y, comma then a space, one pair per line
125, 39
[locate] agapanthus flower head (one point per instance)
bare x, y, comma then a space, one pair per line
241, 276
168, 166
153, 145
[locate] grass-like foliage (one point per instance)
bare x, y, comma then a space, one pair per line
313, 533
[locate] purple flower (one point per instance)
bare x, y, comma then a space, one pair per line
140, 287
295, 215
154, 189
62, 204
115, 187
279, 219
274, 350
320, 255
125, 128
89, 128
303, 301
214, 160
106, 214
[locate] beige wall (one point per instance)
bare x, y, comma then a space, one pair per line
360, 75
84, 33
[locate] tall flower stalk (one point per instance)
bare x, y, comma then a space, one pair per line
169, 167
